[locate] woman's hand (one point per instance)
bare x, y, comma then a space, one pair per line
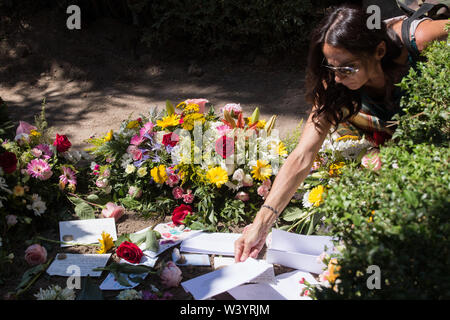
251, 242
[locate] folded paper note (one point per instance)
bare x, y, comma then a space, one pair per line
86, 231
224, 279
298, 251
211, 243
69, 264
287, 286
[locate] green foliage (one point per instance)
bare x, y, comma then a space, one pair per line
427, 102
395, 218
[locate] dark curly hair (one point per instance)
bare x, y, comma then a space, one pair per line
346, 27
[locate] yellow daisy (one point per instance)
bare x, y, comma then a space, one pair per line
106, 243
316, 196
159, 174
217, 176
169, 121
262, 170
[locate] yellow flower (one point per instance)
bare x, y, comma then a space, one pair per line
347, 137
371, 216
333, 269
106, 243
133, 124
262, 170
142, 171
316, 196
159, 174
335, 168
190, 119
35, 133
191, 108
169, 121
108, 136
280, 148
18, 191
181, 105
261, 124
217, 176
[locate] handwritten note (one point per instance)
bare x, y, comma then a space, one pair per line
68, 264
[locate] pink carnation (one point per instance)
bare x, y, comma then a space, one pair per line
177, 192
171, 275
188, 197
113, 211
35, 254
173, 180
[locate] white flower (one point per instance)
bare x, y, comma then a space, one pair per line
239, 175
129, 294
142, 171
126, 160
130, 169
305, 200
38, 207
55, 292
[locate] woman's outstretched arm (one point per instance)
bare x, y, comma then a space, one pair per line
292, 173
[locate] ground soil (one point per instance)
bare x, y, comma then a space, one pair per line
91, 80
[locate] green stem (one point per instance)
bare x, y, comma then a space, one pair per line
91, 203
68, 243
34, 279
301, 220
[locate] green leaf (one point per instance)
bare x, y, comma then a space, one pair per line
151, 241
29, 275
292, 213
93, 198
84, 211
89, 290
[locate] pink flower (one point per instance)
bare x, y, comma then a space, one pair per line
200, 102
101, 183
177, 192
11, 220
247, 181
45, 148
188, 197
233, 108
68, 177
263, 191
113, 211
35, 254
223, 129
137, 140
243, 196
302, 281
147, 128
36, 152
173, 180
372, 160
135, 152
39, 169
24, 127
135, 192
171, 275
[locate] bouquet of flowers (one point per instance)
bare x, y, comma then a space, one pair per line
197, 166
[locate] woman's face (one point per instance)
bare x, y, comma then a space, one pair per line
338, 57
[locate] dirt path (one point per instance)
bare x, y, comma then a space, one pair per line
91, 82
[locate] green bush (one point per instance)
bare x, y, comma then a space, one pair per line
427, 103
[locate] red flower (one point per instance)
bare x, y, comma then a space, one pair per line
379, 138
130, 252
8, 161
62, 143
170, 139
180, 213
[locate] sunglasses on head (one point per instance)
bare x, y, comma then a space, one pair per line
345, 70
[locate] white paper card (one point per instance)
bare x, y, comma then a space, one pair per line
211, 243
286, 287
224, 279
86, 231
266, 277
298, 251
222, 262
82, 263
194, 260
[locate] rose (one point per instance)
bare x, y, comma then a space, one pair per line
35, 254
113, 211
173, 180
238, 175
171, 275
243, 196
170, 139
129, 252
200, 102
180, 213
248, 181
62, 143
8, 161
177, 192
372, 160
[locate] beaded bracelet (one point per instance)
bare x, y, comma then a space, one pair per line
270, 208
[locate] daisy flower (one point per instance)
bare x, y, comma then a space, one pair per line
262, 170
169, 121
217, 176
68, 177
39, 169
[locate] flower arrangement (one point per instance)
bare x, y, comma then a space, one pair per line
203, 169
